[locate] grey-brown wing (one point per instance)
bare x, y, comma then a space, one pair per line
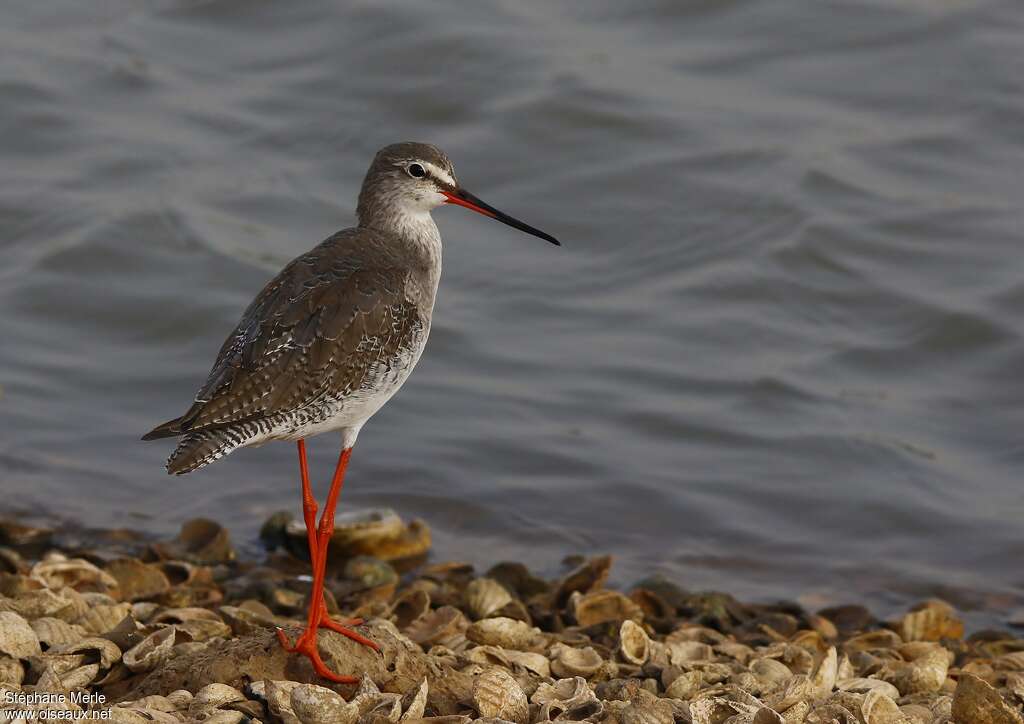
319, 329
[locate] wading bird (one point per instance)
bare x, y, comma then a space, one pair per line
328, 341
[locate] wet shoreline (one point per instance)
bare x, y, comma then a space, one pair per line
131, 627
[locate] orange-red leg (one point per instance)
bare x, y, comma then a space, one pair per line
318, 539
309, 508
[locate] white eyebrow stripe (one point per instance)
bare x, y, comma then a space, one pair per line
438, 172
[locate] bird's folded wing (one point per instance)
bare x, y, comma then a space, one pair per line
318, 330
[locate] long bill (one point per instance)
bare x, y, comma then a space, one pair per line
461, 197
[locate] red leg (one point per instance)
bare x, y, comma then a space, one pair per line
309, 509
325, 532
317, 615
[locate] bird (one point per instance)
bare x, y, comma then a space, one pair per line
327, 342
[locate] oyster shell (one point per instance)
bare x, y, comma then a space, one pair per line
417, 706
410, 606
200, 541
213, 696
53, 632
95, 649
278, 697
505, 632
634, 643
11, 671
977, 702
603, 606
497, 694
484, 596
34, 604
318, 705
102, 618
880, 709
17, 639
568, 662
865, 686
934, 621
567, 700
136, 580
57, 571
444, 626
151, 651
824, 678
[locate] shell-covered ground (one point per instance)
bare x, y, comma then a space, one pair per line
113, 626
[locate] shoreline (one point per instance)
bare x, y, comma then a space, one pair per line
175, 630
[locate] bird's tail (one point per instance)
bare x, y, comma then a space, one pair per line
171, 428
197, 449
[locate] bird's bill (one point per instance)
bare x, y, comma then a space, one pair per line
461, 197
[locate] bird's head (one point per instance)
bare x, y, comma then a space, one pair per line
415, 178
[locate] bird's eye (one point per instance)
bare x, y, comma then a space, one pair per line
415, 170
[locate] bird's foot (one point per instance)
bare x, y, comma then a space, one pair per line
342, 627
306, 645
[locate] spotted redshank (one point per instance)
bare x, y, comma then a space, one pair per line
328, 341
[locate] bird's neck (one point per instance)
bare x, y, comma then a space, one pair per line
412, 226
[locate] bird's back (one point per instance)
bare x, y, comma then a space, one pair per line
323, 346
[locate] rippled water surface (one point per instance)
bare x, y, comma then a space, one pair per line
780, 353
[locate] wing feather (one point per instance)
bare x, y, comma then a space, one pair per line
322, 327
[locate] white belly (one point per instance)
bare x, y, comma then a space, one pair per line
351, 412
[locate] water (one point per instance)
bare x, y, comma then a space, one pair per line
779, 353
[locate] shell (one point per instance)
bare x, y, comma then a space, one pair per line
418, 705
634, 643
644, 708
484, 596
506, 633
438, 627
104, 617
187, 613
976, 702
824, 678
770, 671
11, 671
683, 652
788, 693
34, 604
53, 632
136, 580
926, 672
569, 662
57, 571
881, 639
181, 698
17, 639
278, 695
388, 707
151, 651
537, 664
410, 606
95, 649
318, 705
880, 709
244, 621
80, 677
865, 686
686, 685
497, 695
213, 696
224, 717
566, 699
603, 606
588, 577
200, 541
932, 622
202, 629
